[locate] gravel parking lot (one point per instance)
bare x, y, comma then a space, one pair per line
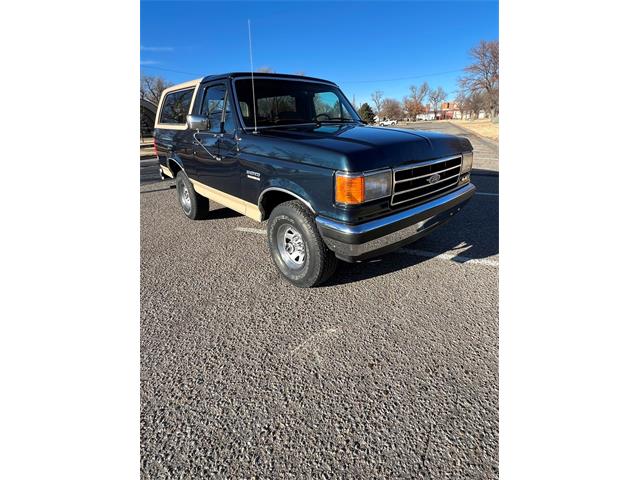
389, 371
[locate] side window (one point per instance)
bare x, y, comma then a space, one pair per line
213, 107
176, 107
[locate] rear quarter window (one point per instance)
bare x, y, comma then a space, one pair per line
176, 107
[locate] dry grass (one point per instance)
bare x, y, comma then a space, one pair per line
482, 127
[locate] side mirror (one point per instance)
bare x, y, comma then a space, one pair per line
198, 122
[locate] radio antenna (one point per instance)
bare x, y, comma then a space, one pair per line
253, 87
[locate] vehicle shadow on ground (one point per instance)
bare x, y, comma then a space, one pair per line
470, 235
220, 213
170, 187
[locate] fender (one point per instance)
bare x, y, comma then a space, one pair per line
287, 191
178, 162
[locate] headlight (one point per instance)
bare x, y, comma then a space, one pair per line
467, 162
354, 189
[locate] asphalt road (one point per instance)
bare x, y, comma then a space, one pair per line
389, 371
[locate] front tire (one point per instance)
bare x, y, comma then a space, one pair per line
194, 205
296, 246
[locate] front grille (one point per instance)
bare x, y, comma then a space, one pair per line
417, 182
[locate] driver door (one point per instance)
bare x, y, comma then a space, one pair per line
216, 168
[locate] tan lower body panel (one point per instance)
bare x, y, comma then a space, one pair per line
229, 201
166, 171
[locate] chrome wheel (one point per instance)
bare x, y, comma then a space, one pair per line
185, 199
291, 246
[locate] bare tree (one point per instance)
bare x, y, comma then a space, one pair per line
391, 108
151, 88
462, 102
376, 97
483, 75
414, 102
412, 108
436, 97
418, 94
266, 70
476, 101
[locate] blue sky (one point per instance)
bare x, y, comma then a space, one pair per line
361, 45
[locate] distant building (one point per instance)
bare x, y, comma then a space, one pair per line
428, 115
449, 111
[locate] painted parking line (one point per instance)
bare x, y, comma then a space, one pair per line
251, 230
450, 257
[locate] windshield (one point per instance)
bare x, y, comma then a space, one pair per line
292, 102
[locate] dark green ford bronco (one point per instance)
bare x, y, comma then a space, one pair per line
292, 150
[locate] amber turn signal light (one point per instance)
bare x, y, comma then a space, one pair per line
349, 190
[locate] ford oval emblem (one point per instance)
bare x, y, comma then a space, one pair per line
433, 178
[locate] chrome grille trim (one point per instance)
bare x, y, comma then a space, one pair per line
424, 176
429, 193
428, 184
398, 183
428, 162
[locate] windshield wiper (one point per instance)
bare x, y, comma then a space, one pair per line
336, 120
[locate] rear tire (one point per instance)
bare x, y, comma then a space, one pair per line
296, 246
194, 205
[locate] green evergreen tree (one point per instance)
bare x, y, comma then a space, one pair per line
366, 113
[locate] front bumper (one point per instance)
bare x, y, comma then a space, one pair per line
354, 243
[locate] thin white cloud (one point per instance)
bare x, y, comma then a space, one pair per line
149, 62
155, 49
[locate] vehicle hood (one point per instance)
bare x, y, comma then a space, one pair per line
355, 147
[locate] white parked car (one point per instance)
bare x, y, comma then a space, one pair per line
386, 123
